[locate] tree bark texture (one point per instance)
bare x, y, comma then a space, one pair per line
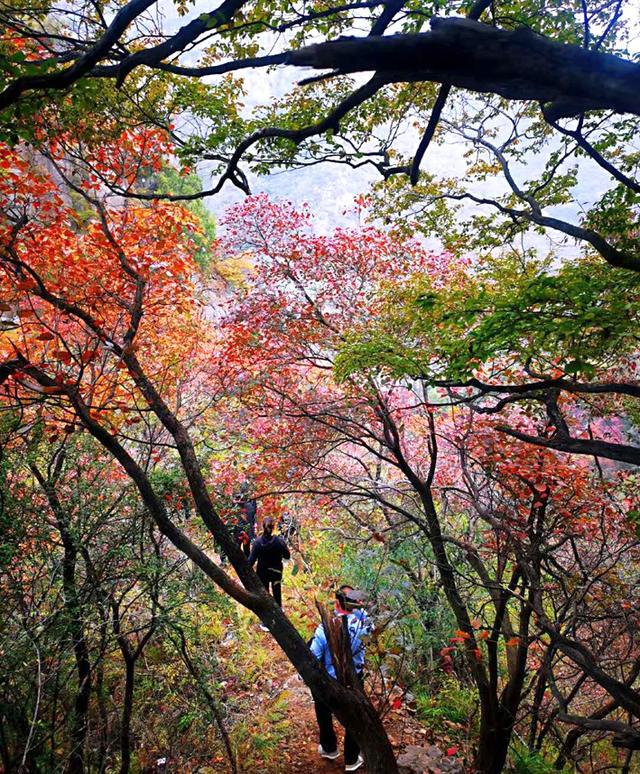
517, 64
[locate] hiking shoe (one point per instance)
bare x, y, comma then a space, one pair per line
264, 628
356, 765
331, 756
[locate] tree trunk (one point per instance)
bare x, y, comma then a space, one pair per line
73, 609
101, 761
5, 757
351, 706
352, 710
496, 727
127, 711
54, 721
210, 698
81, 704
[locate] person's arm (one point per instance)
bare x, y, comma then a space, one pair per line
319, 644
286, 554
255, 550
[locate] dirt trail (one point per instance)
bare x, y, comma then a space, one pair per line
299, 750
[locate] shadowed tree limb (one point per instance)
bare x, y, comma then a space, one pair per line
386, 17
516, 64
624, 735
597, 388
429, 132
570, 445
185, 36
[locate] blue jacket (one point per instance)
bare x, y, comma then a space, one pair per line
359, 626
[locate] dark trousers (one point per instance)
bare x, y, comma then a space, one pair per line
328, 738
273, 578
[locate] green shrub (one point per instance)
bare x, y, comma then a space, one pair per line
453, 703
524, 761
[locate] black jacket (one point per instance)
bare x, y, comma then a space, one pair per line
269, 553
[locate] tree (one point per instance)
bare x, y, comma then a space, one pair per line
114, 584
49, 578
379, 448
561, 78
96, 299
547, 511
560, 342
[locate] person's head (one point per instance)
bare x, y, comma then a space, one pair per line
267, 526
241, 493
349, 599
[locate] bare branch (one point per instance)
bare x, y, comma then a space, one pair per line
586, 146
83, 65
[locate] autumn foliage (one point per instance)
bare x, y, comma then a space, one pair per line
194, 387
84, 284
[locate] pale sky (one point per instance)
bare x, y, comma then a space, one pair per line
330, 189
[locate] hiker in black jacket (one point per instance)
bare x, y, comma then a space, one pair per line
269, 550
244, 518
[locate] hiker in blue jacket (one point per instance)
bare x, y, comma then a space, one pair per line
349, 603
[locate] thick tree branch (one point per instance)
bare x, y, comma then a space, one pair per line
594, 448
386, 17
597, 388
475, 13
430, 131
516, 64
624, 734
185, 36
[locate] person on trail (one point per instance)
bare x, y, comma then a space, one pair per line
287, 526
349, 603
269, 550
244, 529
